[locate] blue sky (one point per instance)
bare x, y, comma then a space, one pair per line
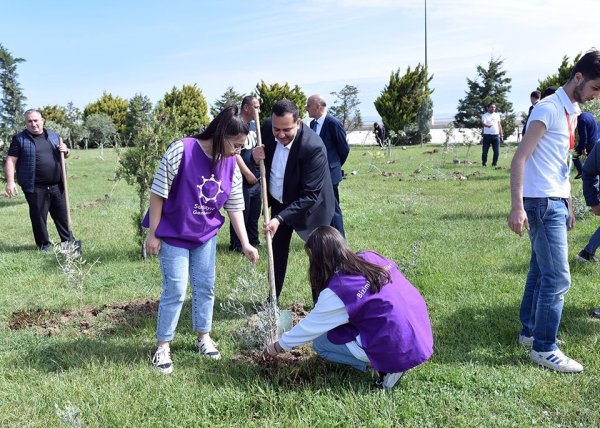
75, 50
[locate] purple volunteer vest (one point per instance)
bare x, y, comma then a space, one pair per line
191, 214
393, 324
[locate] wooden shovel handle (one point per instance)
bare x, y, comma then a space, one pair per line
266, 215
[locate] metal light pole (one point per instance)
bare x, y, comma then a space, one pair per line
425, 33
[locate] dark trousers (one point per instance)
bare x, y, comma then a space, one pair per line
281, 247
337, 221
252, 203
494, 141
44, 200
577, 163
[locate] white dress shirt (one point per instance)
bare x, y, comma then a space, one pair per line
280, 159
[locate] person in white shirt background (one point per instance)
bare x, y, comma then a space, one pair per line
492, 134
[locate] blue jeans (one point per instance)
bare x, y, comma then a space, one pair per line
337, 353
548, 278
177, 265
594, 242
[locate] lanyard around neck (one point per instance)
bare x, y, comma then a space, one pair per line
571, 131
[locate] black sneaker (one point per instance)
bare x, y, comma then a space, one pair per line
46, 249
596, 313
586, 257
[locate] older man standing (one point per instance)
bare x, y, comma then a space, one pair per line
333, 134
34, 154
541, 202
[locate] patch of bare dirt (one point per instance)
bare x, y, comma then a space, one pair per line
90, 204
89, 321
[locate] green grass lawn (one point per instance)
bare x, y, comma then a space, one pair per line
445, 225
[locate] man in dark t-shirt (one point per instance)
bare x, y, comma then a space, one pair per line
34, 155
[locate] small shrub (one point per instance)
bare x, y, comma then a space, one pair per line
247, 300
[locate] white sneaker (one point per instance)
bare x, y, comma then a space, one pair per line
388, 380
556, 360
162, 360
527, 341
207, 347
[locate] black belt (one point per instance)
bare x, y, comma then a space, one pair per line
552, 198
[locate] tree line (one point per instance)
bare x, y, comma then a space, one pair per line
404, 105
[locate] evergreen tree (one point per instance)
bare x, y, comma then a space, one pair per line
229, 98
114, 107
345, 107
490, 85
400, 104
13, 101
183, 111
139, 115
270, 94
561, 76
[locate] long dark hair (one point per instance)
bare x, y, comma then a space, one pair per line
228, 123
328, 253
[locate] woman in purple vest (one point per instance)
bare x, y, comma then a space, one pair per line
367, 312
196, 177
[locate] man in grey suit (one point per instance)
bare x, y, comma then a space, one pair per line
333, 134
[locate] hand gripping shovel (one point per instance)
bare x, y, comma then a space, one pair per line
76, 244
278, 316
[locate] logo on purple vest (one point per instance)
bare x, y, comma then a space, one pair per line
209, 190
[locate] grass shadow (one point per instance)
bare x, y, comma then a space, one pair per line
12, 248
11, 202
487, 335
64, 355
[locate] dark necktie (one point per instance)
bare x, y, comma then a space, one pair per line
313, 125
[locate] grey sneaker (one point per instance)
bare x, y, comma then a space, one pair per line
207, 347
556, 360
527, 341
388, 380
162, 360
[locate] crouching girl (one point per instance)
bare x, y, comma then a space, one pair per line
367, 313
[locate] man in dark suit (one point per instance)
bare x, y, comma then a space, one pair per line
333, 134
300, 191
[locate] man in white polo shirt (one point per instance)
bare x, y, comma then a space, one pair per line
492, 134
541, 202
